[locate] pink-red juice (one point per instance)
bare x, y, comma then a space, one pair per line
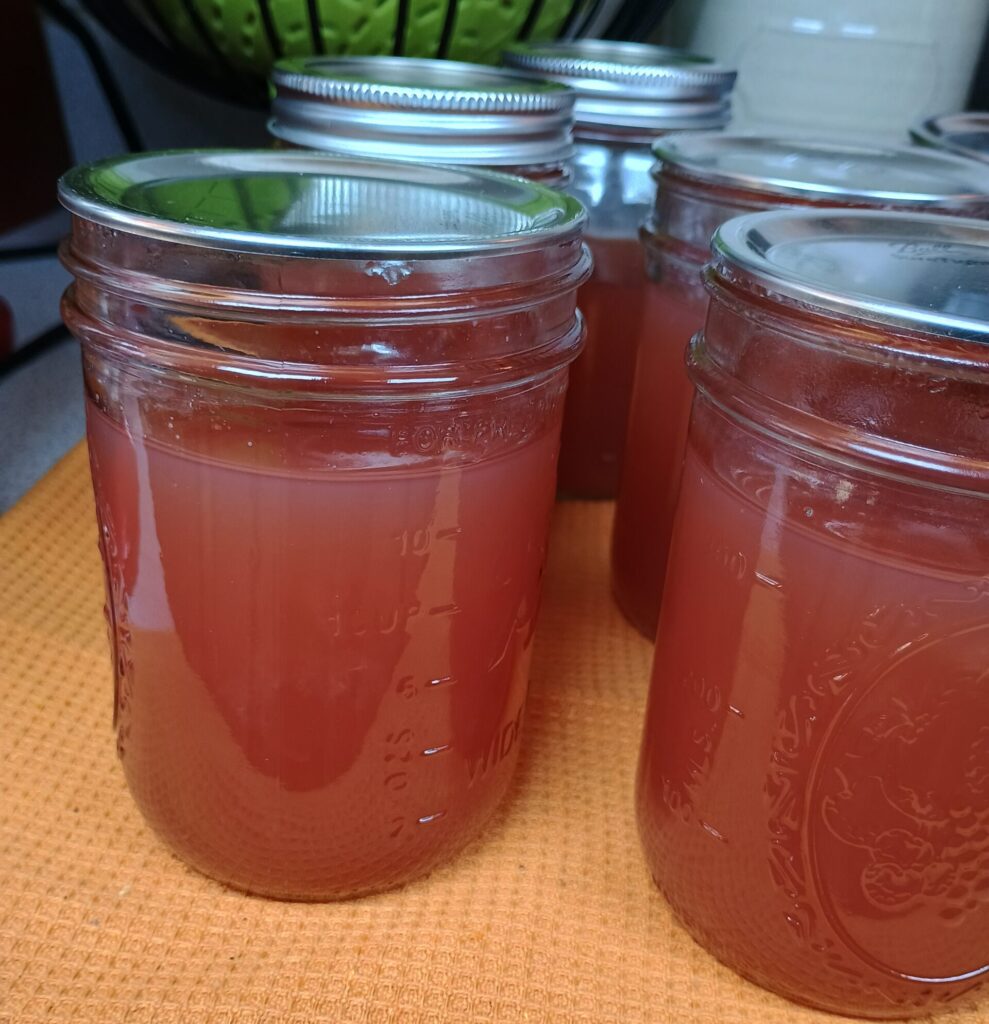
675, 303
595, 420
320, 672
677, 238
813, 789
324, 460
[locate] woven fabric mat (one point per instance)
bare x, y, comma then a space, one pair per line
549, 917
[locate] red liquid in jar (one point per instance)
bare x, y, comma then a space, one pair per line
657, 429
596, 413
320, 675
813, 791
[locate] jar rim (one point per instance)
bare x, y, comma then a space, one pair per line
314, 204
327, 380
823, 170
965, 133
853, 264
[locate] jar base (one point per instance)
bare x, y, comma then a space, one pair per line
826, 1005
329, 893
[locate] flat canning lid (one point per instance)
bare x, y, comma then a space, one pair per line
301, 203
826, 172
901, 270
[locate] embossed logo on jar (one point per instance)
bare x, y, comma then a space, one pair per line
899, 810
477, 434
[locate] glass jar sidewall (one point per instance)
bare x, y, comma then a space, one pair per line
801, 682
898, 403
328, 431
840, 502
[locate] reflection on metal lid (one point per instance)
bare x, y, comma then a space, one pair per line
827, 172
658, 71
920, 271
402, 83
428, 110
633, 85
314, 204
966, 134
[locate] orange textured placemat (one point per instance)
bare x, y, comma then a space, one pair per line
550, 917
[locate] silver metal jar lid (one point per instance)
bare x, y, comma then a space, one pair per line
901, 270
827, 172
410, 109
966, 134
293, 202
633, 85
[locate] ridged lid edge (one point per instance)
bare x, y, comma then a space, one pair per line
291, 75
702, 75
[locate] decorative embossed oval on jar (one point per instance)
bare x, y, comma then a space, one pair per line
324, 405
813, 788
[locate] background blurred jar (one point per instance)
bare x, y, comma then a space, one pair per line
428, 111
704, 179
813, 789
627, 94
865, 68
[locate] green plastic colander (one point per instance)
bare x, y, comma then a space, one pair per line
230, 45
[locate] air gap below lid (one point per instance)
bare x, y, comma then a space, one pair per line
313, 204
632, 85
429, 110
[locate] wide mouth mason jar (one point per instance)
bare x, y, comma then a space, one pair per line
323, 404
813, 789
702, 181
966, 134
627, 95
428, 111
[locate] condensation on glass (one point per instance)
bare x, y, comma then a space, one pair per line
324, 399
703, 179
813, 788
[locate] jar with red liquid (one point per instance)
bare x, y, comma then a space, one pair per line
813, 788
429, 111
323, 402
703, 180
627, 94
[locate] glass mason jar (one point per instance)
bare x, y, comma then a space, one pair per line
429, 111
703, 180
324, 399
965, 134
813, 788
627, 94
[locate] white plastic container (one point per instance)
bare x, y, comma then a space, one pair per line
866, 68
